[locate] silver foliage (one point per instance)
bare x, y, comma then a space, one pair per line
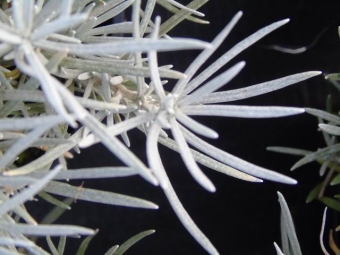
61, 67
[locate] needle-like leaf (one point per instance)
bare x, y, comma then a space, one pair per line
288, 221
97, 196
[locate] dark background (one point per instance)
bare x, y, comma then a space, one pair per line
241, 217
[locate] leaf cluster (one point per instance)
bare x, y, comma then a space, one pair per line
68, 80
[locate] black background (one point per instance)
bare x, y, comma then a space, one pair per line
241, 217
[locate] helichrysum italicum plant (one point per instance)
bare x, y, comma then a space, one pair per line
61, 67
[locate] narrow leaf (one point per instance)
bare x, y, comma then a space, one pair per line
43, 230
314, 193
130, 242
288, 221
241, 111
97, 196
213, 85
85, 243
28, 192
317, 155
330, 129
255, 90
324, 115
142, 45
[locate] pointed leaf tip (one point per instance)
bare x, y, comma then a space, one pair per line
239, 14
212, 188
285, 21
292, 181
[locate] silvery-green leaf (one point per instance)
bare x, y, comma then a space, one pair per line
322, 231
175, 10
142, 45
83, 28
188, 159
291, 151
235, 162
284, 236
117, 148
239, 47
7, 241
37, 96
124, 135
187, 222
66, 7
46, 81
8, 37
28, 192
324, 115
24, 142
288, 221
153, 64
212, 85
48, 8
183, 7
16, 182
131, 241
326, 136
330, 129
44, 230
241, 111
195, 126
150, 5
56, 212
183, 216
49, 156
153, 155
104, 39
124, 27
53, 200
112, 250
102, 8
136, 36
89, 173
324, 166
50, 244
61, 245
180, 16
18, 14
97, 196
278, 250
210, 162
258, 89
113, 12
63, 38
85, 243
28, 14
20, 210
119, 128
317, 155
114, 68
